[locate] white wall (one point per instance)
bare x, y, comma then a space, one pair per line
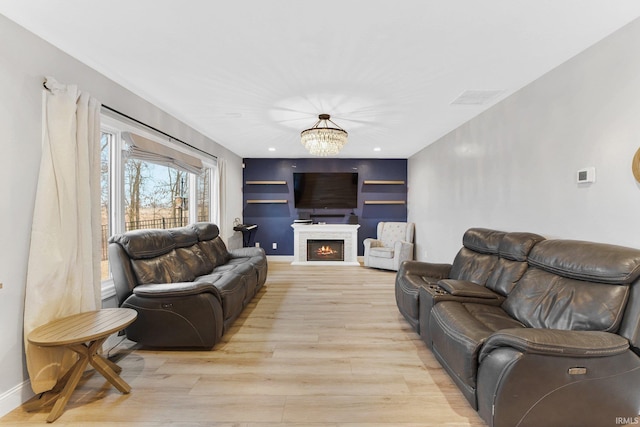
514, 167
24, 61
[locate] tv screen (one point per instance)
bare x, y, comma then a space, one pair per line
320, 190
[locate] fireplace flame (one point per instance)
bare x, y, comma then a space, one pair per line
325, 250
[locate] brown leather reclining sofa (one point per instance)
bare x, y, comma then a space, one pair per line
185, 285
534, 332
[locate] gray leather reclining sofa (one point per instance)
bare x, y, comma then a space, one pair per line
185, 285
534, 332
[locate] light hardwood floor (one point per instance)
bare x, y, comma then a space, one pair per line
318, 346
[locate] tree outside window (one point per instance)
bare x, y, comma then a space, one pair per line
155, 196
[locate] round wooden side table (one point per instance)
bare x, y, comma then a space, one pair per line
84, 333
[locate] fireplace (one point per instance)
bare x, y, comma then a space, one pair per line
346, 234
325, 250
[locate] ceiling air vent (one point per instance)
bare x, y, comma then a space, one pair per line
476, 97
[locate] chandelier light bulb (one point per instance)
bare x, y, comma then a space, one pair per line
324, 140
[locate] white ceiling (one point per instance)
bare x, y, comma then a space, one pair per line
252, 74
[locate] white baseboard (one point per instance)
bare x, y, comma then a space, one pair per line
15, 397
280, 258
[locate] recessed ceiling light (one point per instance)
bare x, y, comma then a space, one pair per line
377, 149
272, 149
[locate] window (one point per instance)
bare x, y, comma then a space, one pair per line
144, 185
155, 196
106, 142
203, 194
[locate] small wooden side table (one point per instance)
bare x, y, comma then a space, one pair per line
84, 333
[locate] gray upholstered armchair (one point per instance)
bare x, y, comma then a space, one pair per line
393, 245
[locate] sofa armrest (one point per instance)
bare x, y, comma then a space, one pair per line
372, 243
465, 288
178, 289
398, 244
402, 251
427, 269
402, 246
368, 244
246, 252
556, 342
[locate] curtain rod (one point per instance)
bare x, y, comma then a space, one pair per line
113, 110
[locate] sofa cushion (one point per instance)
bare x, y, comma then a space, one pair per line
458, 331
473, 266
195, 260
545, 300
215, 250
166, 268
381, 252
240, 267
516, 246
254, 256
141, 244
596, 262
232, 290
505, 275
513, 251
478, 256
205, 230
483, 240
183, 237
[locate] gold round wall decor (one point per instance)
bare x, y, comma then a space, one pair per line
635, 165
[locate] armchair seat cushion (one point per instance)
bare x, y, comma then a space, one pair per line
381, 252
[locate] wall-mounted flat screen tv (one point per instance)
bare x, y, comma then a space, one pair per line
330, 190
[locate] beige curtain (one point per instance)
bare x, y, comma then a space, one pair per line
221, 203
63, 275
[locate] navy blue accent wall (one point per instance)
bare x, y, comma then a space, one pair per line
274, 219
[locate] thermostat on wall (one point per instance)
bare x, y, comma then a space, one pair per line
586, 175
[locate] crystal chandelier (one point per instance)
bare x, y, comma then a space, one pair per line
324, 140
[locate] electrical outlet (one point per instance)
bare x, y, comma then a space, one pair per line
274, 245
257, 244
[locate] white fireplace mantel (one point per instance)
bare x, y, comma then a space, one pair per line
346, 232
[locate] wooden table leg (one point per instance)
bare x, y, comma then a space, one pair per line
100, 365
48, 397
115, 368
76, 373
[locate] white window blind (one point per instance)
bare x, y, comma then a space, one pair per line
139, 147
